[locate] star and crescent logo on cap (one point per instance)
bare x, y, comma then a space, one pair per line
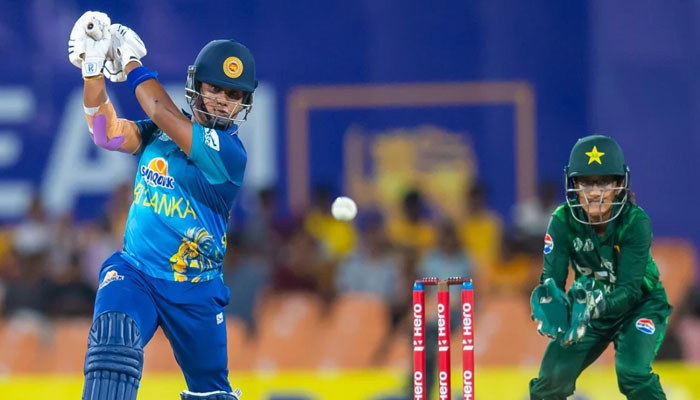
594, 155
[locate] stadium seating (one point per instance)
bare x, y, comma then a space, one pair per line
23, 340
240, 347
504, 333
357, 326
69, 343
298, 331
677, 261
158, 356
287, 331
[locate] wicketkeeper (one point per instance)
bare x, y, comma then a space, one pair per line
616, 296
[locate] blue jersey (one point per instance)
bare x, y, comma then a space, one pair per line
176, 228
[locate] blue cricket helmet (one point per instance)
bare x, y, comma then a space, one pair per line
224, 63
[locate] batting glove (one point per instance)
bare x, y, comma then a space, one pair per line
550, 308
126, 47
95, 55
92, 23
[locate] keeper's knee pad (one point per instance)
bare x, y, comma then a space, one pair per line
218, 395
114, 358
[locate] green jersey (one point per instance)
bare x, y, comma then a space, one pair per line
620, 260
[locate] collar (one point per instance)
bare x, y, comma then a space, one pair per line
230, 131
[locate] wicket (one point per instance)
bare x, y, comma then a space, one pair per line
419, 335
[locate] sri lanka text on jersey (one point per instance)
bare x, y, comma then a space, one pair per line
163, 204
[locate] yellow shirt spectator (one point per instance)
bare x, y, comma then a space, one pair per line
481, 230
336, 237
418, 235
411, 229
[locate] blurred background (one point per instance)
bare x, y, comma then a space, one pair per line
449, 124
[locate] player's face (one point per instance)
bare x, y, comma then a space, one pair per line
221, 101
597, 195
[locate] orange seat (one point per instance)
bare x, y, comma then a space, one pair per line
677, 261
287, 330
23, 341
356, 329
398, 351
69, 345
688, 334
158, 355
504, 333
240, 352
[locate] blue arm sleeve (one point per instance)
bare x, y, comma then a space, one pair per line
219, 155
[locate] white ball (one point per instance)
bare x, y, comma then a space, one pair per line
344, 209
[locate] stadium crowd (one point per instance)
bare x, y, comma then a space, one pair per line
49, 266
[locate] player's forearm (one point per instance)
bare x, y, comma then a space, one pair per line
621, 299
632, 262
558, 274
555, 266
156, 103
555, 263
628, 288
107, 131
94, 92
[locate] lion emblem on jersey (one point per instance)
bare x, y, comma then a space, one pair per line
197, 250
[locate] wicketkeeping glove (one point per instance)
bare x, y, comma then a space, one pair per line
126, 46
587, 303
550, 308
93, 24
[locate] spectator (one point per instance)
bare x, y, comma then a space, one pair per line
246, 272
412, 228
373, 269
298, 265
27, 288
64, 244
118, 210
447, 259
70, 295
531, 218
28, 291
264, 230
336, 238
481, 231
97, 244
32, 237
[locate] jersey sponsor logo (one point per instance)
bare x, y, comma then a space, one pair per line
578, 244
110, 277
211, 138
548, 244
155, 173
588, 245
645, 325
